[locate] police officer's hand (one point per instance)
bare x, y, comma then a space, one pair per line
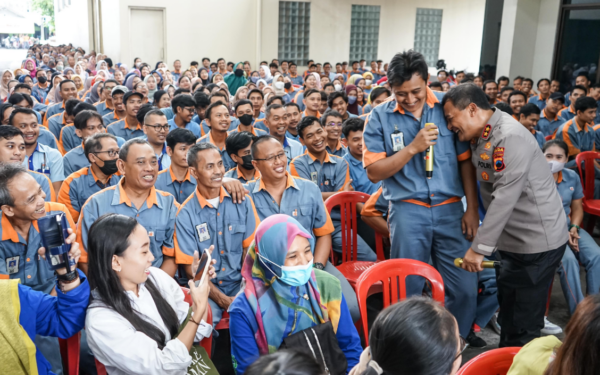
425, 138
470, 224
74, 253
574, 239
472, 261
235, 189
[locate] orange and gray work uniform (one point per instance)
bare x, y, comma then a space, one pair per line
524, 222
425, 214
567, 113
157, 216
578, 139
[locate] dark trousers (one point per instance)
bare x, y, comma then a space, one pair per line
523, 282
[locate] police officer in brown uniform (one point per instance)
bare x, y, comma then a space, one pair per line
525, 222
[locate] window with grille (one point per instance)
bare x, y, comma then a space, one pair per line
364, 32
428, 29
294, 31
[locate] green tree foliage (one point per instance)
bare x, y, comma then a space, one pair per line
46, 8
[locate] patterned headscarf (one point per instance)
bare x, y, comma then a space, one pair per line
277, 303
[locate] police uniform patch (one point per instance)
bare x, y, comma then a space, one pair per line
485, 176
484, 156
499, 159
488, 145
486, 131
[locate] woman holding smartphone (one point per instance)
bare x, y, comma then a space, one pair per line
136, 310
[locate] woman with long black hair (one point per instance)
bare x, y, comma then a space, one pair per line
135, 311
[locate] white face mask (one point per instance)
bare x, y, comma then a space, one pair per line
337, 87
279, 85
556, 166
368, 82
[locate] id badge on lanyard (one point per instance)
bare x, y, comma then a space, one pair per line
397, 139
45, 168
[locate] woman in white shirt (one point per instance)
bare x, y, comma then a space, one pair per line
136, 310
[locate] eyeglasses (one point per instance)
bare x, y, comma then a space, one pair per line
159, 127
271, 159
334, 124
463, 345
189, 109
111, 153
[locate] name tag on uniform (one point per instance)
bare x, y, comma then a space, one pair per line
12, 265
203, 234
314, 177
397, 141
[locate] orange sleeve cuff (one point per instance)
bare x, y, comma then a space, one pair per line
464, 156
168, 251
180, 256
325, 229
371, 157
293, 170
4, 277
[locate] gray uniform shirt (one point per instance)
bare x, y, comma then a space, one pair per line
524, 211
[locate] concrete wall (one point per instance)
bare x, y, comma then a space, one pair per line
73, 23
527, 38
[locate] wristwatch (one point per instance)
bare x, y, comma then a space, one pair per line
319, 266
68, 277
574, 226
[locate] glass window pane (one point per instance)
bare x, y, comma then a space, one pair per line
428, 28
294, 21
364, 32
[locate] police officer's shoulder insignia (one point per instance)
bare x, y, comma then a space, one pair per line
486, 131
499, 159
484, 156
488, 145
485, 176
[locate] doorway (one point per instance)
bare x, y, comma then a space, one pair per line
147, 33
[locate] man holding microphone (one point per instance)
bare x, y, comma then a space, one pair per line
525, 222
427, 220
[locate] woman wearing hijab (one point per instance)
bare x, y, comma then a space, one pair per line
261, 84
68, 72
216, 78
129, 81
265, 73
278, 85
353, 106
7, 76
240, 94
284, 294
368, 76
152, 86
78, 84
95, 92
31, 66
237, 79
53, 92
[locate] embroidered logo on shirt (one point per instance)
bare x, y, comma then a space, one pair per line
486, 131
150, 234
499, 159
484, 156
485, 176
488, 145
571, 188
295, 213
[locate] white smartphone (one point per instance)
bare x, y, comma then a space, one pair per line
202, 271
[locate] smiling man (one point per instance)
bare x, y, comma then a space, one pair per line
276, 120
135, 196
129, 127
516, 100
516, 187
427, 220
217, 118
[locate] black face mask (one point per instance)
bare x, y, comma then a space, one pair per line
245, 119
239, 72
43, 79
288, 85
247, 162
109, 167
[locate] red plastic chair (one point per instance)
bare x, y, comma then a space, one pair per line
69, 351
493, 362
206, 343
549, 137
590, 205
351, 267
391, 274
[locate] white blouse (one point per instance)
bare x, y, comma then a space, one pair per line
123, 350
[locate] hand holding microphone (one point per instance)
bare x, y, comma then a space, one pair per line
424, 141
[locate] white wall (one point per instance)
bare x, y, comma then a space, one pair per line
72, 24
527, 38
460, 46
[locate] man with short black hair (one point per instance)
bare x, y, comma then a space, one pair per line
101, 151
518, 82
549, 119
502, 82
332, 122
69, 139
353, 132
221, 64
294, 77
490, 88
217, 118
176, 179
578, 132
67, 90
312, 103
209, 219
129, 127
294, 116
338, 101
580, 80
135, 196
543, 86
106, 106
41, 88
570, 112
86, 124
155, 126
183, 108
516, 100
244, 112
529, 117
257, 98
526, 87
238, 147
595, 93
277, 122
57, 122
202, 102
505, 93
554, 86
118, 112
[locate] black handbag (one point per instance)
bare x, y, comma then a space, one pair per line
321, 343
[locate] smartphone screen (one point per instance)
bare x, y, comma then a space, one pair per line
203, 266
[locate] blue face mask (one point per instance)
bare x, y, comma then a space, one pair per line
293, 276
254, 79
351, 99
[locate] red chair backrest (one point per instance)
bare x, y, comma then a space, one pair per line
493, 362
207, 342
392, 275
347, 201
69, 351
549, 137
587, 175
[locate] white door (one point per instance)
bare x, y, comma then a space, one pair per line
147, 35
